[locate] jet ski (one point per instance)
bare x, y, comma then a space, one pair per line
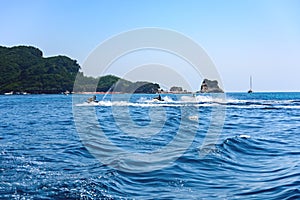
156, 99
92, 100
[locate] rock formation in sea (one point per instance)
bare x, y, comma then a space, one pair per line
176, 89
209, 86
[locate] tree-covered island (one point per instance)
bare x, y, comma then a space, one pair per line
24, 69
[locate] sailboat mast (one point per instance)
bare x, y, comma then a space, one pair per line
250, 90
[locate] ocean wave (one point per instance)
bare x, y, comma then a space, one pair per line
256, 156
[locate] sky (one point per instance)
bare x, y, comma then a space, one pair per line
258, 38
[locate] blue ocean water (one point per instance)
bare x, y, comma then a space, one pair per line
45, 154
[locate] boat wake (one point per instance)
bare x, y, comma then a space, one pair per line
200, 101
165, 102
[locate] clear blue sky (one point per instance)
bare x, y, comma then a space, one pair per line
243, 37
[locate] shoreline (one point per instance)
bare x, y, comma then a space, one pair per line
91, 93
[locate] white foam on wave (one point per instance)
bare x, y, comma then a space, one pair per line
86, 104
165, 99
168, 99
190, 99
245, 136
288, 107
201, 99
184, 100
261, 103
143, 99
151, 103
144, 104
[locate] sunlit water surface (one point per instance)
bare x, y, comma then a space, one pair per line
257, 155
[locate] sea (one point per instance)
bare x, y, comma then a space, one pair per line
129, 146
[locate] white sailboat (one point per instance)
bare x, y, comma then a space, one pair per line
250, 90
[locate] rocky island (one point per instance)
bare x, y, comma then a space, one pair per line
210, 86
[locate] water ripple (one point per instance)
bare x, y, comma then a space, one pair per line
257, 155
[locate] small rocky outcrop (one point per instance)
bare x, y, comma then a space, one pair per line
176, 89
209, 86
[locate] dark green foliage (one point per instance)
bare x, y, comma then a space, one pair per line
115, 84
110, 83
23, 69
107, 83
146, 87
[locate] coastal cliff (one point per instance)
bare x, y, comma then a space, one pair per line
209, 86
